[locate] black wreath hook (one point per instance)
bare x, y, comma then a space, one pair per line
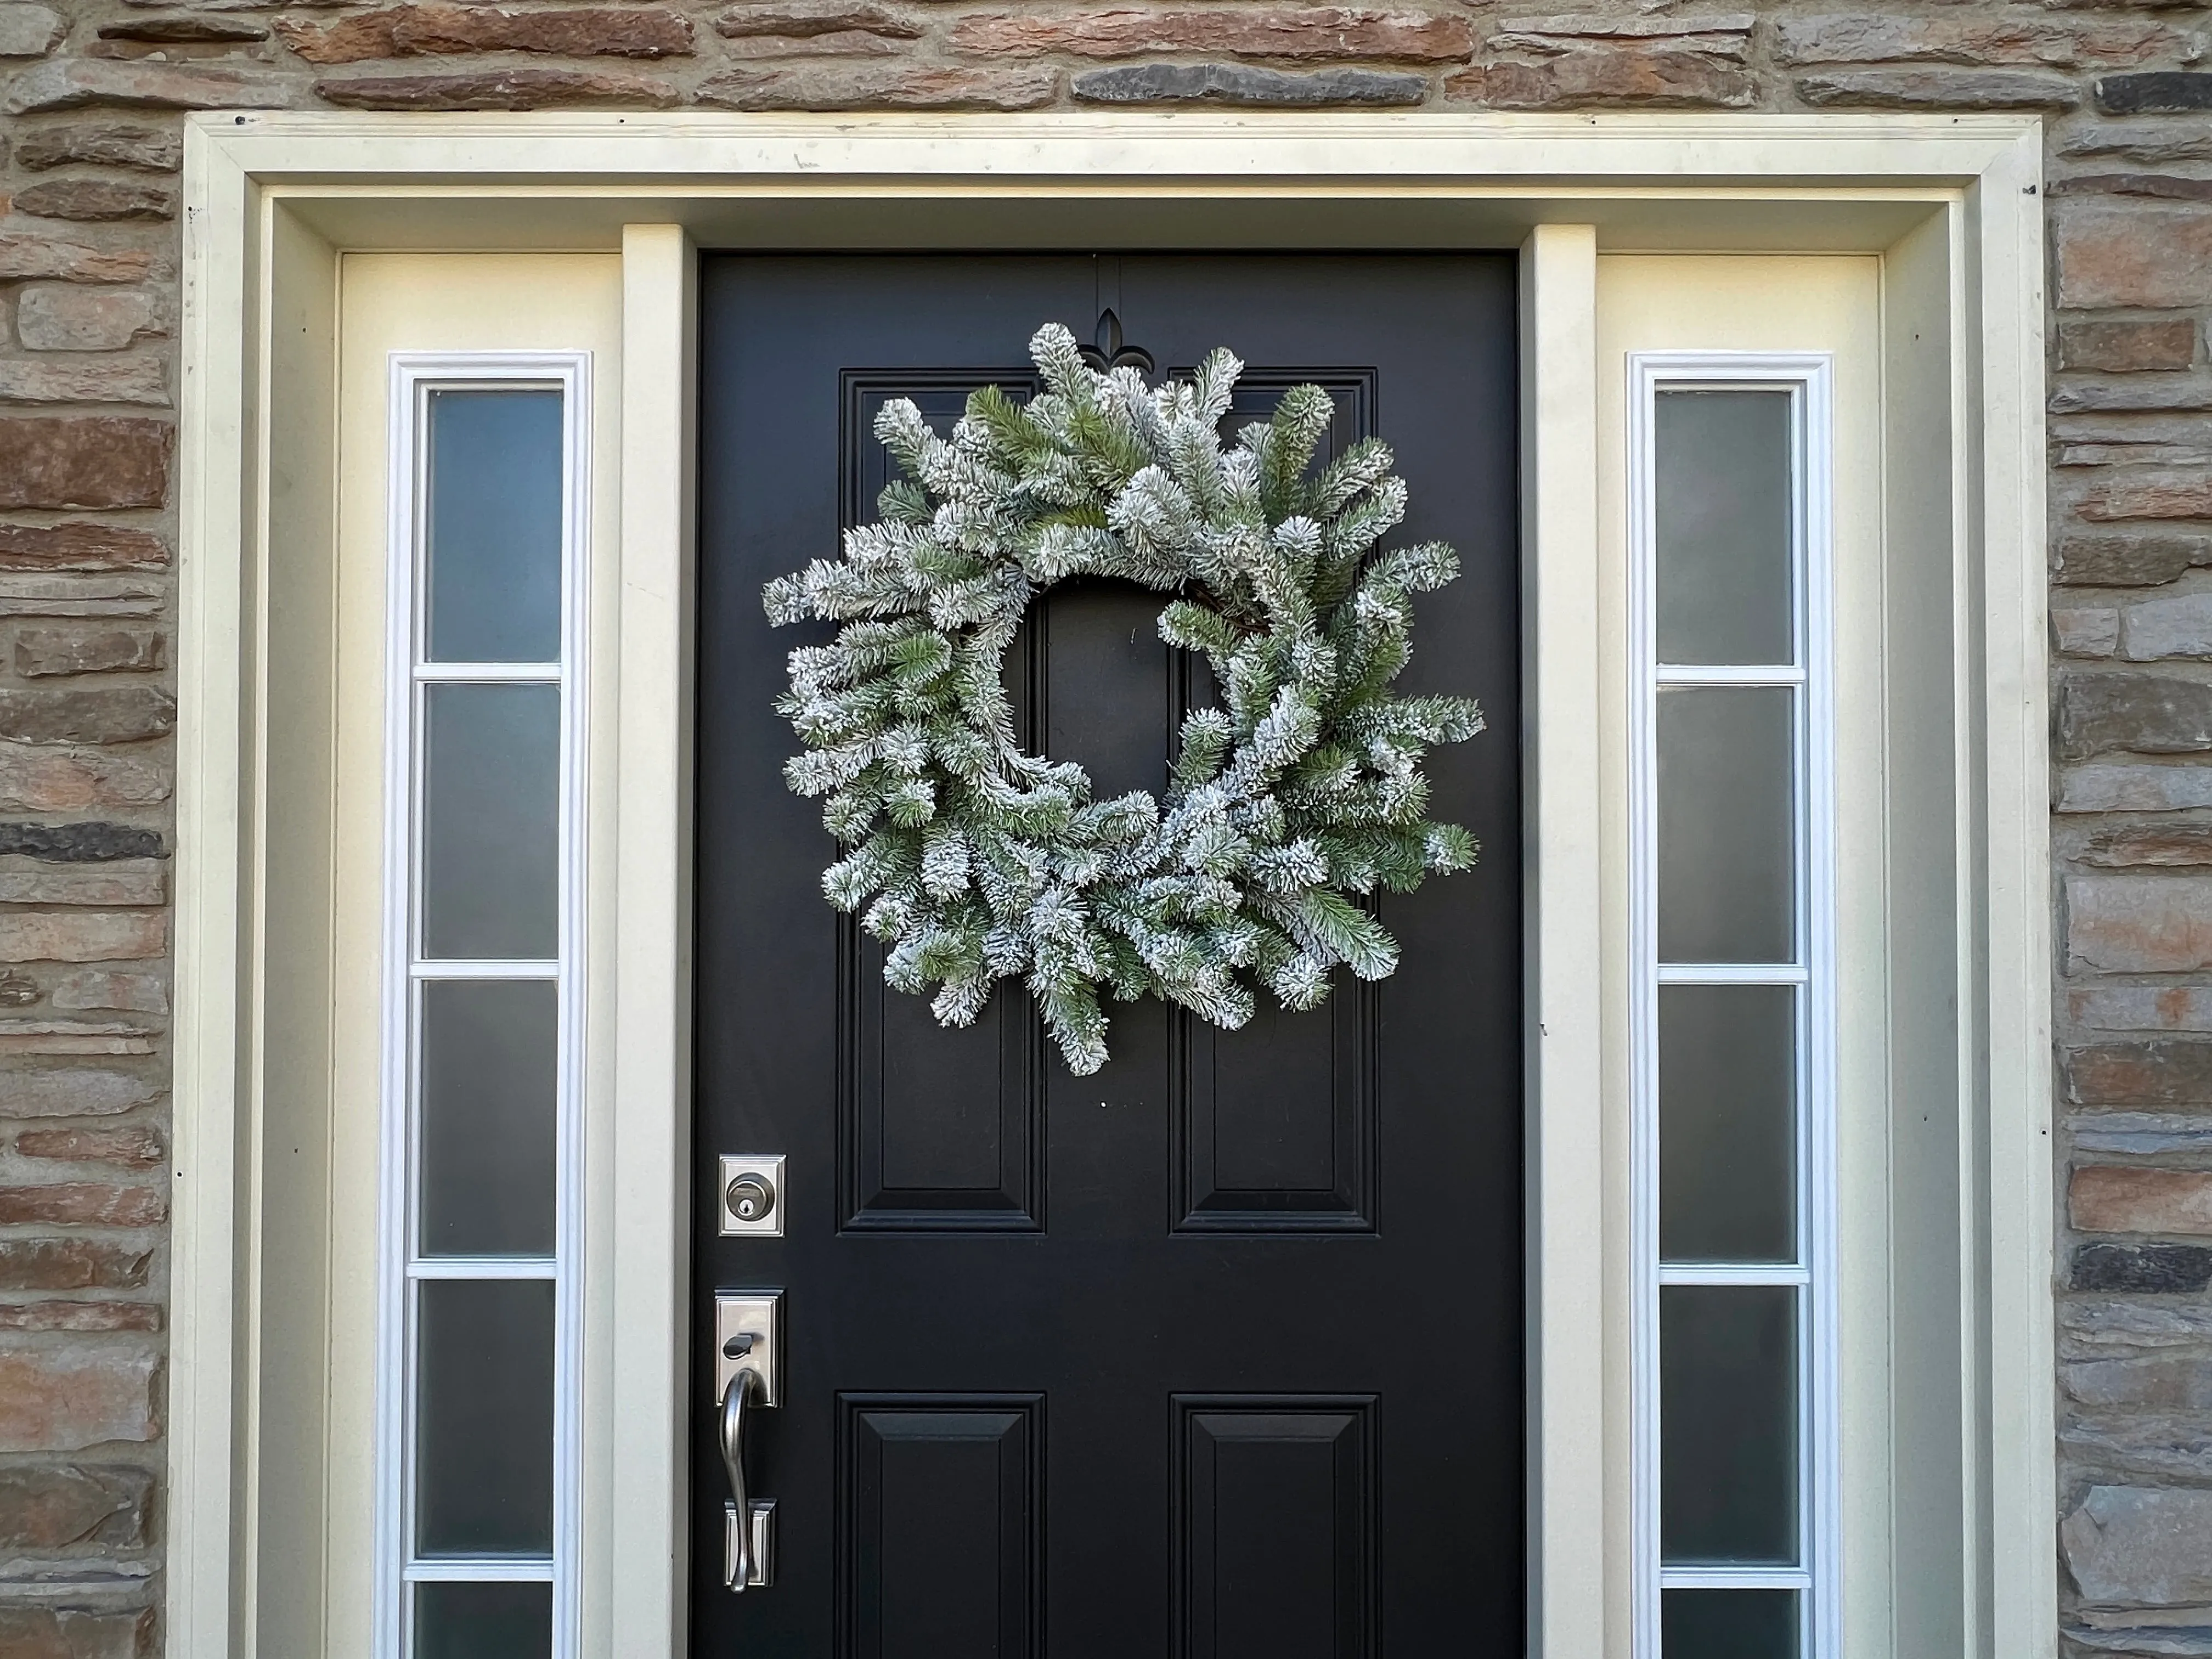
1110, 352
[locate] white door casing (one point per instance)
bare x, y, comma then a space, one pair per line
1940, 210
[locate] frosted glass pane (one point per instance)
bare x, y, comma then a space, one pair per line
491, 824
1727, 1130
483, 1621
488, 1069
1727, 833
1727, 1424
1721, 461
1709, 1624
484, 1478
493, 521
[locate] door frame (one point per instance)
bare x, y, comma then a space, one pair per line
1952, 204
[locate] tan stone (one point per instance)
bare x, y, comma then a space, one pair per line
2186, 498
55, 317
2135, 1007
35, 1632
2156, 257
500, 88
571, 31
85, 380
2168, 845
1330, 31
2139, 924
905, 86
73, 1091
2010, 39
2127, 347
1647, 77
45, 258
137, 1147
98, 199
124, 882
42, 594
89, 936
86, 460
72, 780
79, 1316
2105, 1197
64, 1399
147, 994
71, 1264
144, 83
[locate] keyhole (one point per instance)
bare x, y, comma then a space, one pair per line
750, 1196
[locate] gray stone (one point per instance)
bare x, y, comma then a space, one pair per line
2129, 1546
62, 317
79, 596
2141, 1007
1942, 89
2177, 627
2162, 1384
122, 714
2098, 1327
2133, 789
2154, 92
2149, 714
29, 31
144, 83
2128, 560
79, 843
2155, 142
2142, 1269
2139, 1133
2085, 631
2139, 924
1239, 83
143, 380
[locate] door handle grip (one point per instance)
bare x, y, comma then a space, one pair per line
747, 1561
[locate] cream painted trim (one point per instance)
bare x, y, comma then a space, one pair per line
269, 197
644, 1589
1567, 1039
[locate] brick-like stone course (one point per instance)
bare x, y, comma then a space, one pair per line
89, 191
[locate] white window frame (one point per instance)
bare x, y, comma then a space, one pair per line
1809, 379
1950, 205
414, 376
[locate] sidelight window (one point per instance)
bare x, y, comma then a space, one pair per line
478, 1344
1731, 1007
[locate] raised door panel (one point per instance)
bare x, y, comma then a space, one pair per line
1275, 1529
940, 1503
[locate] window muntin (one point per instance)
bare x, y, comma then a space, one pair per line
481, 1248
1732, 997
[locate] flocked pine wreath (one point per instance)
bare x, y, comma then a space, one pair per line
976, 862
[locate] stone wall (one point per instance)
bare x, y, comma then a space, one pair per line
88, 253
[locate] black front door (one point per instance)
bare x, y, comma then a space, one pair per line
1216, 1354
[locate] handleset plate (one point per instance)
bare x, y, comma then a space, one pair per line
747, 1377
759, 1315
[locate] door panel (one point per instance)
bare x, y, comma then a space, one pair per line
1217, 1352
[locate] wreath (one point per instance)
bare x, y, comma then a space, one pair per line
1288, 804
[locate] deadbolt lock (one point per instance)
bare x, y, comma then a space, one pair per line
751, 1197
752, 1200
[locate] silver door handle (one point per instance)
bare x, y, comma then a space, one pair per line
748, 1534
